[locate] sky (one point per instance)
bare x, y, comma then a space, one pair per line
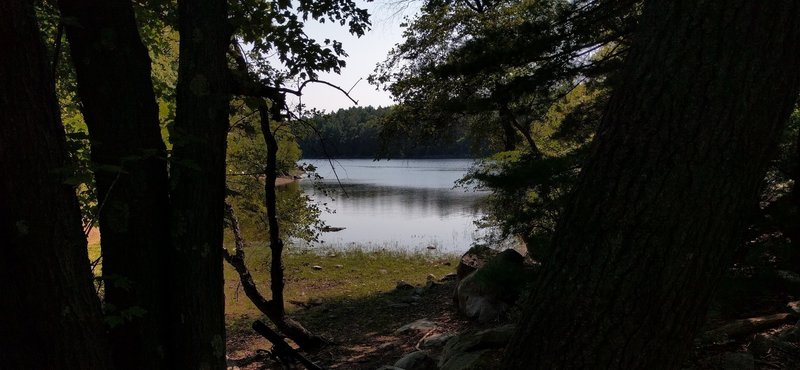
363, 54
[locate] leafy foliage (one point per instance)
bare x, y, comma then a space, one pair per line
298, 216
536, 72
502, 63
276, 28
528, 189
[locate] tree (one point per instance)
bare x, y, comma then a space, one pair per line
674, 170
197, 186
51, 315
497, 65
529, 76
119, 107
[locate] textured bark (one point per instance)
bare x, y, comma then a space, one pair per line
663, 198
50, 313
120, 110
197, 174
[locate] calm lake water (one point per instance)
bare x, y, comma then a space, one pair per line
408, 204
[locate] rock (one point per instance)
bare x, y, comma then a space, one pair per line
387, 367
474, 351
764, 345
339, 266
421, 325
431, 247
473, 259
489, 338
794, 308
732, 361
383, 271
478, 360
487, 293
431, 284
430, 277
791, 335
409, 299
331, 229
316, 267
419, 360
449, 277
402, 285
436, 340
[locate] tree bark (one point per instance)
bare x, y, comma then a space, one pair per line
120, 110
197, 174
50, 312
663, 198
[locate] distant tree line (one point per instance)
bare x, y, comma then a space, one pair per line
357, 133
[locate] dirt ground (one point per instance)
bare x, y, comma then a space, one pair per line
360, 333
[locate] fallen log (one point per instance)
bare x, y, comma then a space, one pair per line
744, 327
281, 348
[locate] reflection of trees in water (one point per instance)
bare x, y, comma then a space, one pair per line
414, 201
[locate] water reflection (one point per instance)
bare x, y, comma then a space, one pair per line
403, 204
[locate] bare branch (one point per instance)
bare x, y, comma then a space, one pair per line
346, 93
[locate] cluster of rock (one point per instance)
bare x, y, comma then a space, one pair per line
488, 283
447, 351
780, 348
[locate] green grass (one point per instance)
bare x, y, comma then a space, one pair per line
348, 274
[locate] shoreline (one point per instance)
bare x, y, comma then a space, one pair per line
285, 180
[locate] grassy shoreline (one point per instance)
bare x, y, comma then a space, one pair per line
330, 275
319, 276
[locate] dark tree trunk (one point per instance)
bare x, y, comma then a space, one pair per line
509, 135
270, 201
277, 310
50, 312
511, 127
792, 230
120, 110
197, 179
663, 198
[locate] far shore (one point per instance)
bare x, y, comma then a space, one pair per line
285, 180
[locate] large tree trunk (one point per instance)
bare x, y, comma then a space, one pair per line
50, 312
664, 196
198, 186
120, 110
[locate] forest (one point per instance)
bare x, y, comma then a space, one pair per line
357, 133
632, 180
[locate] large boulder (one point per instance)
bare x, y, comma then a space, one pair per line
472, 260
419, 360
475, 350
488, 292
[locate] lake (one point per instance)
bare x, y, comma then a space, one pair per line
406, 204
